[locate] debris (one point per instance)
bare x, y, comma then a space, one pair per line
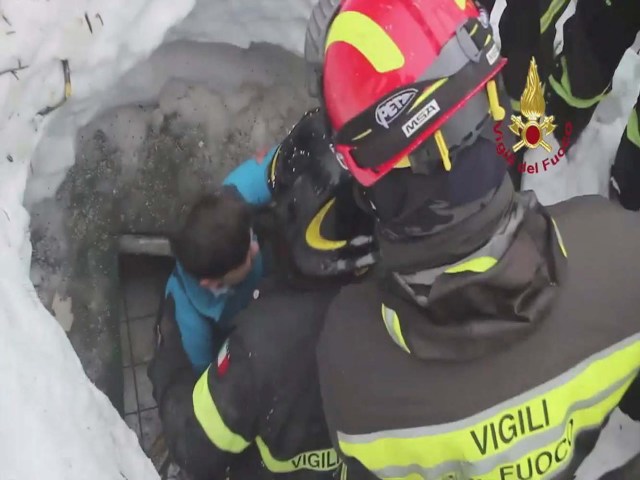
99, 17
86, 17
10, 158
14, 70
67, 90
7, 20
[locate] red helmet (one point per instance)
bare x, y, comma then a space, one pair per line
403, 74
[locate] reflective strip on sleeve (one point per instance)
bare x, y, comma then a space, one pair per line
316, 460
633, 127
560, 241
531, 435
210, 420
550, 15
476, 265
563, 89
392, 324
343, 473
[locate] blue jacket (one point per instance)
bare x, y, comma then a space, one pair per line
198, 309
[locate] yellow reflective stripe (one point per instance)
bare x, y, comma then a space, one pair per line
427, 92
362, 135
563, 89
317, 460
477, 265
551, 457
443, 150
555, 456
633, 128
313, 236
368, 38
272, 175
560, 241
497, 112
552, 11
392, 324
210, 420
462, 4
403, 163
580, 398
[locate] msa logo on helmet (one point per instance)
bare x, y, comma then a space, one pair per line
391, 108
419, 119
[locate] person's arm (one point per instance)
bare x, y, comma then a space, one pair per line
207, 421
251, 178
286, 161
196, 332
198, 341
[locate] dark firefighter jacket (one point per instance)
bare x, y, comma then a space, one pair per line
257, 409
513, 366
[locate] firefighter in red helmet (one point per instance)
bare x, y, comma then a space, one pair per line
411, 80
496, 341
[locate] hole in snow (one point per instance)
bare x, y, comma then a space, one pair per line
171, 129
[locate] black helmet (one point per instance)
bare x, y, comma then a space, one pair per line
321, 16
324, 232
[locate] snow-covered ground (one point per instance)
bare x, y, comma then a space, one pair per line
54, 423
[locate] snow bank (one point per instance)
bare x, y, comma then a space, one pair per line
54, 423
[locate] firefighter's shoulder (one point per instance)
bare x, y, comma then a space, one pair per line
224, 401
594, 227
280, 326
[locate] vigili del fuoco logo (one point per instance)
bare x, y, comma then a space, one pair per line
534, 128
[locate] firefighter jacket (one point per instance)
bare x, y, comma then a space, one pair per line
256, 410
507, 367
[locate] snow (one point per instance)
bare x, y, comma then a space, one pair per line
54, 423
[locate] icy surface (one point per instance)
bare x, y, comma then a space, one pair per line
54, 423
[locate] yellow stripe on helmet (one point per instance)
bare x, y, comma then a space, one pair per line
313, 236
368, 38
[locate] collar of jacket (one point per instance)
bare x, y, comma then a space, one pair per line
453, 243
486, 301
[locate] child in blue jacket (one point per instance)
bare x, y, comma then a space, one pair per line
219, 263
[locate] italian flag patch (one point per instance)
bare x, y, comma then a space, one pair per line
223, 358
